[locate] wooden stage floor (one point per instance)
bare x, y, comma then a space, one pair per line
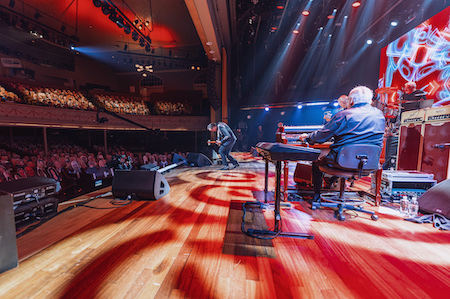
173, 248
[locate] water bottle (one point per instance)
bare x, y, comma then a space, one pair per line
413, 207
404, 202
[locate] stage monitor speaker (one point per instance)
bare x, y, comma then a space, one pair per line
8, 245
437, 199
198, 159
143, 184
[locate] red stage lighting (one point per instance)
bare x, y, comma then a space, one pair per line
280, 6
295, 31
305, 12
330, 17
356, 4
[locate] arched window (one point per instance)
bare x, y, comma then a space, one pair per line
151, 81
201, 78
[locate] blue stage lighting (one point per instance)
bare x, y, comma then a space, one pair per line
369, 41
299, 106
394, 23
267, 108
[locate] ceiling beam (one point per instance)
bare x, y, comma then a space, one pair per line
203, 22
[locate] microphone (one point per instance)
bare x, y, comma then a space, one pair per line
441, 146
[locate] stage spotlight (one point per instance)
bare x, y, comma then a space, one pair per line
120, 21
394, 23
134, 36
267, 108
369, 41
72, 48
127, 29
295, 31
141, 42
147, 23
356, 4
140, 27
113, 15
299, 106
106, 9
330, 17
280, 7
97, 3
148, 48
335, 104
305, 13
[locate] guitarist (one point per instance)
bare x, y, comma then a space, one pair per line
226, 140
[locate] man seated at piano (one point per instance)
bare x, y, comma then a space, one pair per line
360, 123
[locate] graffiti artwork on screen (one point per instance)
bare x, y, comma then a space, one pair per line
421, 55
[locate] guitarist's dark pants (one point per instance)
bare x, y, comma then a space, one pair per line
224, 151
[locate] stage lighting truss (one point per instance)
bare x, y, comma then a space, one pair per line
32, 25
139, 30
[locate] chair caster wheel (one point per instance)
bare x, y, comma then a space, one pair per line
374, 217
339, 216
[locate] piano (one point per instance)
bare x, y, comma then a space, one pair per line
291, 135
283, 152
276, 153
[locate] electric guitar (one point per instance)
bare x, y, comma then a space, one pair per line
213, 142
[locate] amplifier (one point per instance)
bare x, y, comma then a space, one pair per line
398, 183
34, 210
30, 189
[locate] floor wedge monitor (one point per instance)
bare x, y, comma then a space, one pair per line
141, 184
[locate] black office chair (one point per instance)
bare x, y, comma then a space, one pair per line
353, 160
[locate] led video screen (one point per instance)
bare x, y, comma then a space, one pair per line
421, 55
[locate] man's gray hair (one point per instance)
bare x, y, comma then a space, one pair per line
411, 84
361, 95
211, 126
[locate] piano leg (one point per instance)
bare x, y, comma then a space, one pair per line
285, 181
266, 181
277, 227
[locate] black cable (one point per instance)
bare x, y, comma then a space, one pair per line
258, 236
33, 227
